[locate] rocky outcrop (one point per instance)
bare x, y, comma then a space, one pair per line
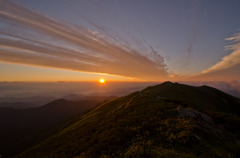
202, 118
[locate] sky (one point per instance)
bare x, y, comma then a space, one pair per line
120, 40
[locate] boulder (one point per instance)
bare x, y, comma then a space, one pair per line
204, 119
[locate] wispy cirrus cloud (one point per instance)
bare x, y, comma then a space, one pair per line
225, 70
228, 61
37, 39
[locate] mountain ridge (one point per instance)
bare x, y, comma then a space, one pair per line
166, 120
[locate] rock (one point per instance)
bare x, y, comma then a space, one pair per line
158, 97
197, 137
199, 116
183, 112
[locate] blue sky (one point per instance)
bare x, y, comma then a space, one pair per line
189, 34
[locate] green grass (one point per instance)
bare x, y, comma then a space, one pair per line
144, 125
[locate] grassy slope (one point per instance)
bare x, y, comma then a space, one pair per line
146, 124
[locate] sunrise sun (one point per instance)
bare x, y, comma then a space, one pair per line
101, 80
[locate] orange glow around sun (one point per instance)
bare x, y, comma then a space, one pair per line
101, 80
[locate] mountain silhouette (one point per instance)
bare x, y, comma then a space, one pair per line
18, 126
166, 120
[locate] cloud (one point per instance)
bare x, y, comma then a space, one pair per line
193, 18
225, 70
36, 39
229, 61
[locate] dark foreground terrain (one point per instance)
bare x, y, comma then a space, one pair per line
167, 120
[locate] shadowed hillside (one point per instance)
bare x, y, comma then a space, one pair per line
167, 120
18, 126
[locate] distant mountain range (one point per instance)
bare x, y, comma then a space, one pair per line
24, 102
166, 120
17, 105
18, 127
